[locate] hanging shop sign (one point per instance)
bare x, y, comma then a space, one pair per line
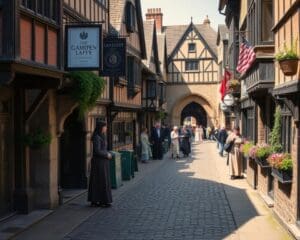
114, 57
83, 47
228, 100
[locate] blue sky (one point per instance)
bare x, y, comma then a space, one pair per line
180, 12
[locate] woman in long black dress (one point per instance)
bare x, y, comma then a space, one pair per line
99, 186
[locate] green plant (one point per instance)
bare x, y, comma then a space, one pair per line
288, 53
37, 139
281, 161
275, 135
263, 151
245, 148
234, 83
161, 115
86, 89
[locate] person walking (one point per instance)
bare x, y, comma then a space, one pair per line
201, 133
99, 192
175, 142
235, 157
222, 136
146, 146
197, 134
185, 142
157, 138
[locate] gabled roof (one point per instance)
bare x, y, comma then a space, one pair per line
223, 32
176, 34
162, 50
116, 18
149, 32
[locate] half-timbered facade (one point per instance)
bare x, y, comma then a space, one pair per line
192, 78
151, 76
126, 21
286, 92
73, 130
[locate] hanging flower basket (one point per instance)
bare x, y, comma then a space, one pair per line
289, 67
282, 166
288, 59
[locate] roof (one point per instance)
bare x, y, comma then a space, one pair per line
116, 14
149, 31
223, 32
116, 18
161, 42
175, 33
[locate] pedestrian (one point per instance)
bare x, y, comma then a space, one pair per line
185, 142
208, 132
222, 136
175, 142
201, 133
167, 134
146, 146
99, 193
235, 157
197, 134
157, 138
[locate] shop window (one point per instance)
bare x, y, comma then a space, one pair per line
130, 17
286, 132
192, 47
191, 65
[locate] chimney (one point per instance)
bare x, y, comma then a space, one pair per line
206, 21
156, 14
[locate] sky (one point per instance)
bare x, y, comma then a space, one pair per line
180, 12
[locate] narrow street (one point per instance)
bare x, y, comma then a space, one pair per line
185, 199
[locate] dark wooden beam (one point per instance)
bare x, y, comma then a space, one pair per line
36, 104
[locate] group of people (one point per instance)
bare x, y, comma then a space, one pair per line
99, 192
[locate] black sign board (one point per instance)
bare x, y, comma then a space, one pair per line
114, 57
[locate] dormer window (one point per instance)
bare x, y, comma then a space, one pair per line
192, 47
130, 17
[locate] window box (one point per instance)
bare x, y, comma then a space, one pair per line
284, 177
262, 162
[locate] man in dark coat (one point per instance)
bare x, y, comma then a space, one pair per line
157, 137
222, 136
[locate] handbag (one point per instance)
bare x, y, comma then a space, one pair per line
228, 146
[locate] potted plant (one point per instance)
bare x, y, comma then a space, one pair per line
252, 152
245, 148
282, 166
234, 85
288, 59
37, 139
263, 151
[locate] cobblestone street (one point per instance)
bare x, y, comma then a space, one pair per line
175, 202
185, 199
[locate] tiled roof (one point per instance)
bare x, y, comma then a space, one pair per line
149, 31
161, 42
176, 32
116, 13
222, 32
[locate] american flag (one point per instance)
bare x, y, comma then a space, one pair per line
246, 57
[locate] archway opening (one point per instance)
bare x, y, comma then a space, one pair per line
72, 153
194, 113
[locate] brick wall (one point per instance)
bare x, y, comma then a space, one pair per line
262, 180
251, 168
285, 195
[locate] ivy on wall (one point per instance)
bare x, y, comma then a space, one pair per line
87, 88
275, 135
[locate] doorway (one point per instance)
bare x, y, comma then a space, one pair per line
73, 154
194, 112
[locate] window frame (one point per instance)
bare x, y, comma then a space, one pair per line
130, 17
194, 47
189, 67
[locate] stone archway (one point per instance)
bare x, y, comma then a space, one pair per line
195, 110
182, 103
